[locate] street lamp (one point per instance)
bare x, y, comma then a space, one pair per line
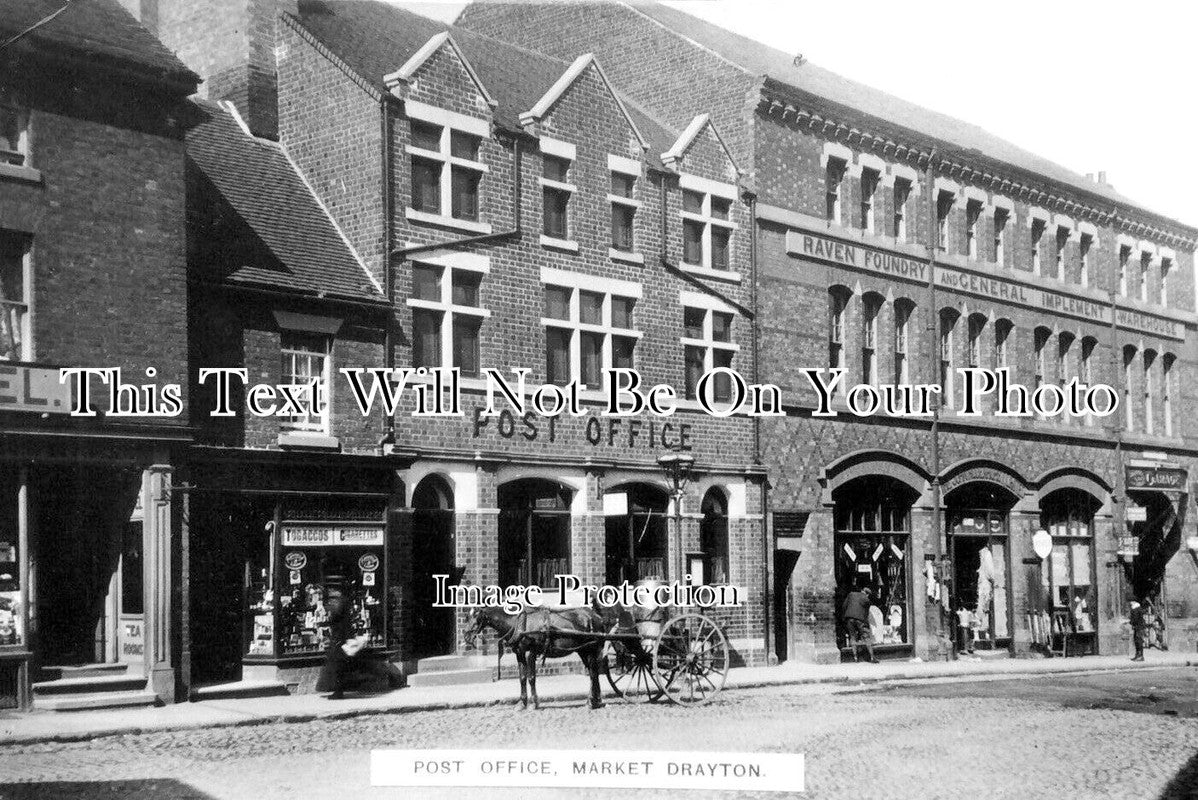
678, 468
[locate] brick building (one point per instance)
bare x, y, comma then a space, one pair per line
92, 274
370, 188
899, 245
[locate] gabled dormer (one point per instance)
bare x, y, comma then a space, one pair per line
439, 74
539, 116
701, 150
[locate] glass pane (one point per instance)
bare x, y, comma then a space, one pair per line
721, 326
692, 322
465, 346
426, 282
465, 193
464, 145
557, 169
692, 242
692, 202
592, 358
694, 358
590, 308
621, 227
621, 351
426, 338
465, 288
621, 312
426, 136
719, 247
622, 185
426, 186
720, 207
557, 356
557, 302
556, 202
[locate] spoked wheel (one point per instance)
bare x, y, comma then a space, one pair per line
630, 673
691, 659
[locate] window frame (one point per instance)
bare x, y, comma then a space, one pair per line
19, 312
20, 157
708, 191
449, 123
1085, 243
836, 169
561, 152
973, 215
450, 312
1002, 219
904, 309
292, 424
902, 195
871, 179
575, 284
707, 342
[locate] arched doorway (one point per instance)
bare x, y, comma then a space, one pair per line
871, 520
432, 555
534, 532
976, 515
637, 541
1068, 602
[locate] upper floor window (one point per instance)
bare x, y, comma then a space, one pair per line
902, 193
623, 211
1038, 228
1040, 346
14, 137
833, 181
1124, 259
706, 224
1062, 241
870, 307
556, 191
903, 309
1086, 372
446, 317
1085, 242
973, 213
1003, 329
1064, 353
948, 324
869, 186
446, 170
707, 344
1129, 360
1001, 217
1149, 391
977, 326
944, 207
1145, 271
307, 361
1168, 363
1166, 269
838, 304
14, 298
587, 330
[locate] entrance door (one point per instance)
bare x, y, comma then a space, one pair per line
129, 632
432, 555
978, 544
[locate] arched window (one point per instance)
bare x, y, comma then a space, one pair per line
1004, 340
871, 520
1067, 576
1129, 361
1168, 387
838, 306
1086, 367
534, 532
713, 540
637, 540
904, 314
1149, 391
1064, 353
948, 324
871, 307
977, 326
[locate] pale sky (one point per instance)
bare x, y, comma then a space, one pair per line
1101, 85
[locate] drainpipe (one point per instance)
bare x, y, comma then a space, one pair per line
388, 202
755, 334
934, 360
1118, 423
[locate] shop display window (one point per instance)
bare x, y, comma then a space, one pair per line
637, 541
979, 558
872, 541
10, 575
1067, 578
534, 533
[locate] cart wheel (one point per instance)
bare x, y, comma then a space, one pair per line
691, 659
630, 673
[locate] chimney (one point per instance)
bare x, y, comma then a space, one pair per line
231, 45
1102, 179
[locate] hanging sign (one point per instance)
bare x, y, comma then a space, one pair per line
1160, 478
295, 560
329, 536
1129, 546
368, 562
1136, 514
1042, 543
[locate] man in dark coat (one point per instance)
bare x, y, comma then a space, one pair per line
1139, 627
855, 612
336, 662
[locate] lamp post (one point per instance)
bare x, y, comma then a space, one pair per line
678, 468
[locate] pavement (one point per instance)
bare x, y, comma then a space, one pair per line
46, 726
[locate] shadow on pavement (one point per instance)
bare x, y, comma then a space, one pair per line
1184, 785
146, 789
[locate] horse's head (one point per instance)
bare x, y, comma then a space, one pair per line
477, 623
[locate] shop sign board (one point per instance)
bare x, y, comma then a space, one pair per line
331, 536
25, 388
1158, 478
1042, 543
1136, 514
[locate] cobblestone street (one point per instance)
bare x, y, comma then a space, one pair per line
934, 740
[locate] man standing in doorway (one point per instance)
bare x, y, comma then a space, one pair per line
855, 612
1139, 627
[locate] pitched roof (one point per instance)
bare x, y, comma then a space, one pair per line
374, 38
759, 59
279, 227
99, 29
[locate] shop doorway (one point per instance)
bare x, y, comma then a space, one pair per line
534, 532
977, 518
432, 554
636, 534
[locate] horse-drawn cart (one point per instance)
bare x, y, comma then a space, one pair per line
685, 659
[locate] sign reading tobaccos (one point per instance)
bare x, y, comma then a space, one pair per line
331, 536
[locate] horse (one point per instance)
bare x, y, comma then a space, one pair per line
548, 634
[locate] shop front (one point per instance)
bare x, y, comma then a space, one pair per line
1155, 517
1063, 615
976, 515
262, 561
